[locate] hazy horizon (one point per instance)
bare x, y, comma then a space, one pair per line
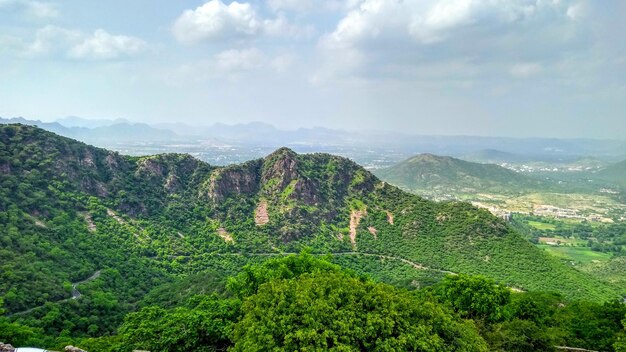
521, 68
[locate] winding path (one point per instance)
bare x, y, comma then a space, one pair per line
75, 294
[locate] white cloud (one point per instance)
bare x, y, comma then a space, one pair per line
104, 46
428, 21
216, 21
52, 40
380, 36
35, 9
56, 41
308, 6
576, 11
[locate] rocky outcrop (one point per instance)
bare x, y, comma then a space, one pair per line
73, 349
280, 168
5, 347
233, 181
168, 170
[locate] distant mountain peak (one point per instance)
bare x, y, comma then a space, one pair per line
434, 172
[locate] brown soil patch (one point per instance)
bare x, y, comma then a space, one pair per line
261, 216
227, 237
389, 218
373, 231
355, 219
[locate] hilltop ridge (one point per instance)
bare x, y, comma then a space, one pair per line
448, 174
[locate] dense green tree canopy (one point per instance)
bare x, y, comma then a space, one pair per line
336, 312
475, 297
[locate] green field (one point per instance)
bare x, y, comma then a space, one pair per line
582, 255
542, 225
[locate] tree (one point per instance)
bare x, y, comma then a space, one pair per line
205, 327
620, 344
520, 336
336, 312
251, 277
474, 297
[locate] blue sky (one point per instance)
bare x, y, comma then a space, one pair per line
479, 67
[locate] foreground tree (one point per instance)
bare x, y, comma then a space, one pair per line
337, 312
204, 327
475, 297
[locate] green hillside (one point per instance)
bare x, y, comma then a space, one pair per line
615, 173
69, 211
446, 174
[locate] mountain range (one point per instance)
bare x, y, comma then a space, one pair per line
117, 131
256, 134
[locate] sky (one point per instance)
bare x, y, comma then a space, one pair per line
521, 68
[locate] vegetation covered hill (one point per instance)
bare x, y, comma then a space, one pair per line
68, 210
615, 173
447, 174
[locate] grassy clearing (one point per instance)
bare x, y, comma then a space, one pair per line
582, 255
542, 225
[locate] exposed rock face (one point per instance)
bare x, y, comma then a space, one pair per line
261, 217
304, 190
73, 349
88, 159
168, 170
150, 167
282, 166
5, 347
233, 181
111, 162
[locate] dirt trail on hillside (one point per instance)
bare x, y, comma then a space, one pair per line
75, 294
